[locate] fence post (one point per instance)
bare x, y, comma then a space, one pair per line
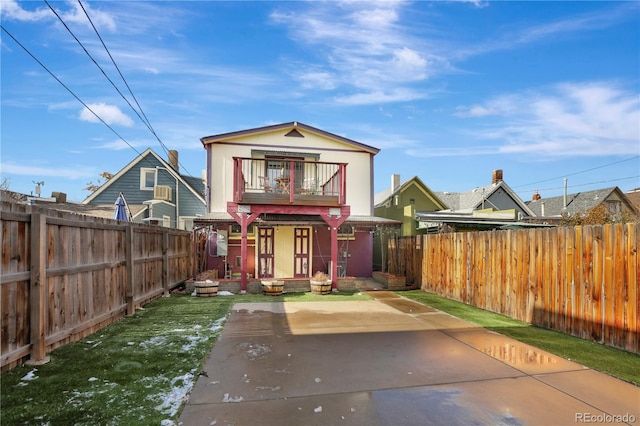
37, 289
165, 262
131, 308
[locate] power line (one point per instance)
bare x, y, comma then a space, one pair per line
582, 184
580, 172
146, 119
67, 88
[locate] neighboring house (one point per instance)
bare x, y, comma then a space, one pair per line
553, 209
155, 192
487, 207
289, 200
400, 202
634, 198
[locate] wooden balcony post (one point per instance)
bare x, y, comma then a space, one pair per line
292, 182
342, 198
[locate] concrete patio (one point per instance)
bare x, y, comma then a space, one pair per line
390, 361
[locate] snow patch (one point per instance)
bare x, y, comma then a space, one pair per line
227, 398
177, 394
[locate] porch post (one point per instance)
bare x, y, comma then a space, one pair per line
243, 252
334, 257
334, 218
244, 219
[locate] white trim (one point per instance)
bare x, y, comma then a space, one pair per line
144, 171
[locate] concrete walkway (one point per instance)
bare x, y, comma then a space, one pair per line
390, 361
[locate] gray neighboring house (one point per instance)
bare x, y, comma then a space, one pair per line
552, 209
155, 192
486, 207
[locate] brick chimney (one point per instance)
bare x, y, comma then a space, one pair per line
395, 182
536, 196
496, 176
173, 160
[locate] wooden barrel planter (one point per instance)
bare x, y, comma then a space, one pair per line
320, 287
206, 288
272, 287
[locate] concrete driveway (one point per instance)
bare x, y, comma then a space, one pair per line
390, 361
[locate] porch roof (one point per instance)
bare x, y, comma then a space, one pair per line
222, 218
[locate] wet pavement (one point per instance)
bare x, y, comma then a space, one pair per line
390, 361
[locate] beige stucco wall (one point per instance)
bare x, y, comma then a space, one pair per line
359, 184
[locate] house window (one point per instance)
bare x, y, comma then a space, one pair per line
236, 231
614, 209
147, 179
166, 221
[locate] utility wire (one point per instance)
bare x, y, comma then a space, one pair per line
580, 172
146, 119
583, 184
68, 89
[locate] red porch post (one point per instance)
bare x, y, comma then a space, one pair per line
244, 219
334, 219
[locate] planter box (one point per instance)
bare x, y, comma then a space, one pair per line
347, 284
320, 287
272, 287
390, 282
206, 288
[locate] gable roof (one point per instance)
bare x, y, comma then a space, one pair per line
473, 199
634, 197
189, 181
293, 128
383, 196
576, 203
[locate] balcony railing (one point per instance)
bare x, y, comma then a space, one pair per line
285, 181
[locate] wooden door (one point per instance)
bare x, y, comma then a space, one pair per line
265, 252
301, 253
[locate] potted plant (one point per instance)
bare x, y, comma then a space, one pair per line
272, 287
320, 283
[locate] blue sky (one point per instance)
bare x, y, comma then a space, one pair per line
448, 90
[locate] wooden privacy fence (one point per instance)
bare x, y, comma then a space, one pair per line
582, 281
65, 276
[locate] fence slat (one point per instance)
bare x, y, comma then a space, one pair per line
579, 280
65, 276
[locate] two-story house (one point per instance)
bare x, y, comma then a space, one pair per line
400, 202
155, 191
289, 200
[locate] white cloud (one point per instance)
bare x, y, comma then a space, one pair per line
100, 19
110, 114
71, 173
12, 10
380, 97
586, 119
361, 47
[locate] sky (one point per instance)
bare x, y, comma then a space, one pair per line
447, 90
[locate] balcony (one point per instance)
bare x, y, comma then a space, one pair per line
288, 182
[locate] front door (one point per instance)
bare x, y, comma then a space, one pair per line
265, 252
301, 253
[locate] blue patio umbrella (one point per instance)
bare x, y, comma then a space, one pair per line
121, 209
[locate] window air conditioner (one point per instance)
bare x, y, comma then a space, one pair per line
162, 192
